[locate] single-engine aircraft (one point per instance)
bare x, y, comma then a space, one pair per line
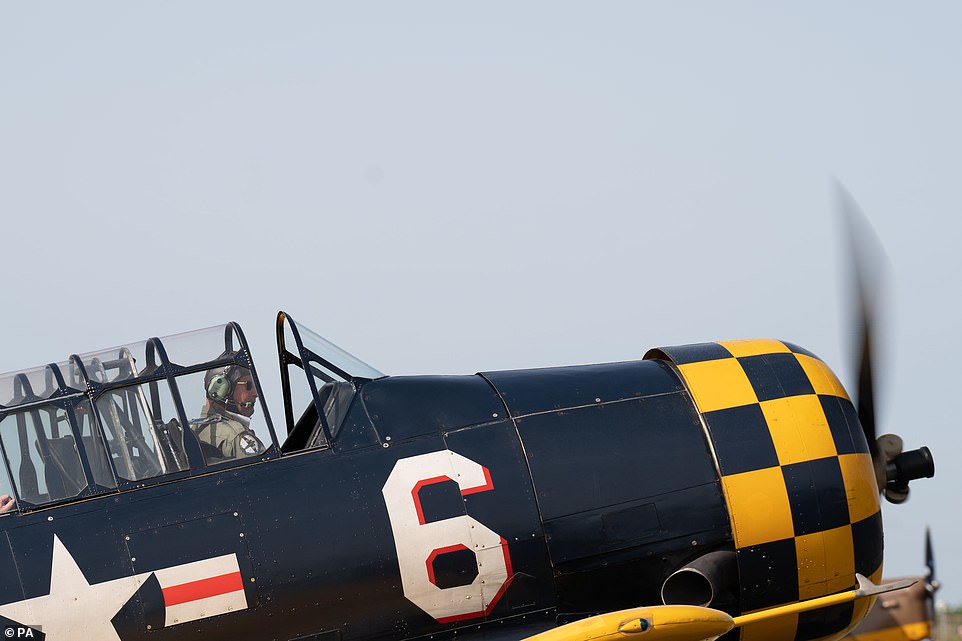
706, 489
725, 489
904, 615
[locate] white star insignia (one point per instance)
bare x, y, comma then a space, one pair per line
74, 609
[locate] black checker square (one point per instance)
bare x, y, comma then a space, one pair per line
696, 353
816, 494
776, 376
742, 440
867, 539
799, 350
824, 622
842, 431
768, 574
858, 434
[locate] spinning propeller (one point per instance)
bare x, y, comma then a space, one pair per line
894, 468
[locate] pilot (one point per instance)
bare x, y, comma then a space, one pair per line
225, 419
7, 503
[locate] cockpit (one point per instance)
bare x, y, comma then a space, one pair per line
163, 409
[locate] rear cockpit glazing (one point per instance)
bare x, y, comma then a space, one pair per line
124, 417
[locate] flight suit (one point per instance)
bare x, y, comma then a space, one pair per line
229, 436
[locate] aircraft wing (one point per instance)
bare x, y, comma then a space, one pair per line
693, 623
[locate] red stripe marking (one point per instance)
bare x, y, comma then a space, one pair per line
202, 589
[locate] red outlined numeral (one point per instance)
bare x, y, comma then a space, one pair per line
419, 543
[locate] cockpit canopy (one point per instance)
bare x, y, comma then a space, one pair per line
141, 413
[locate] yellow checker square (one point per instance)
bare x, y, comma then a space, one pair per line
759, 507
799, 429
821, 377
754, 347
861, 488
782, 627
826, 562
718, 384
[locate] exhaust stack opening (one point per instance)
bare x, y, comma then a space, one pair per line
701, 581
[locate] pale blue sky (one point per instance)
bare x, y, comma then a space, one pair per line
445, 188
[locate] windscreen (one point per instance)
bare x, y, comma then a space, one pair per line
319, 381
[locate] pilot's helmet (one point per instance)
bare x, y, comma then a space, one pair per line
219, 382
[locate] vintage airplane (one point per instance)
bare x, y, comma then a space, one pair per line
905, 615
734, 475
727, 488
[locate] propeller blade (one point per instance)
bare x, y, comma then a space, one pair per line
929, 557
867, 267
866, 387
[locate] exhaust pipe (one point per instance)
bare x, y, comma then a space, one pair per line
701, 581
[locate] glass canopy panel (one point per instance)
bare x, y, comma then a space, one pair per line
316, 398
17, 388
200, 346
335, 355
42, 454
120, 363
143, 434
93, 441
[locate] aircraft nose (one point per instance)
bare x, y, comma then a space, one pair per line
796, 473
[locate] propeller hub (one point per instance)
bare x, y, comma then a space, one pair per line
911, 465
907, 466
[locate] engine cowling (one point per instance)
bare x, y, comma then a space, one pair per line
797, 478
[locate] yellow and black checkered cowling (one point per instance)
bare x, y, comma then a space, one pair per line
797, 478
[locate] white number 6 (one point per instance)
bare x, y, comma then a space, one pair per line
419, 543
